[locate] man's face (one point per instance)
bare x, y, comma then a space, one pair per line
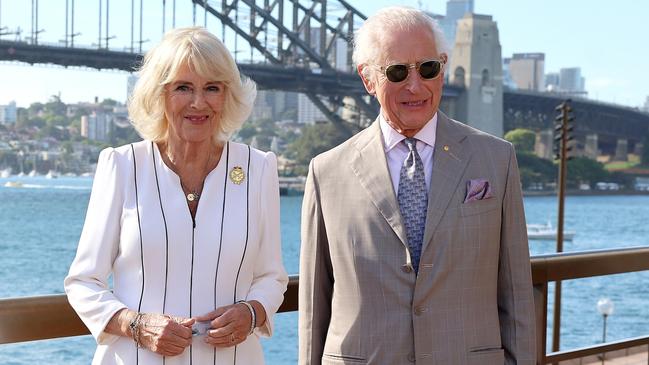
407, 105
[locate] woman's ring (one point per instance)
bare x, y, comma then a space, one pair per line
232, 338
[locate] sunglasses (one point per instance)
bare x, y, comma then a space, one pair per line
428, 70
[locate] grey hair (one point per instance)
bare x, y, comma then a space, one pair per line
206, 55
371, 33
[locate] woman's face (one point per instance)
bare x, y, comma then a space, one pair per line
193, 106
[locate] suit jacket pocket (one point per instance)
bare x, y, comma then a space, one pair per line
337, 359
479, 207
487, 356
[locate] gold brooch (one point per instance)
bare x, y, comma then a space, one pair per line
446, 148
237, 175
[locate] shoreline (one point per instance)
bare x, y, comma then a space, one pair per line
584, 192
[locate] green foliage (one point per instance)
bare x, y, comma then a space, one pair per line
316, 139
55, 106
67, 148
534, 169
580, 170
247, 131
37, 122
585, 170
108, 103
522, 139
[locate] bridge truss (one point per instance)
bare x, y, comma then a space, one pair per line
300, 45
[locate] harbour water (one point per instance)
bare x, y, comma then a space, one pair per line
40, 223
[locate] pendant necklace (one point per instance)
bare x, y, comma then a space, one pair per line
192, 195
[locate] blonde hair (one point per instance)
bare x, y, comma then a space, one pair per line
371, 33
207, 56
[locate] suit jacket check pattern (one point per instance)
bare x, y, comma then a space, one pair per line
470, 303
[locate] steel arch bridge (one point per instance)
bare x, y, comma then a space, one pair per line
302, 46
295, 45
610, 122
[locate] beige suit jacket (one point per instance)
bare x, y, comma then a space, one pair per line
471, 302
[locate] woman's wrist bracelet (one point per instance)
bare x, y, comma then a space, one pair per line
253, 323
134, 326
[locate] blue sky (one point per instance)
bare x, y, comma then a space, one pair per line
606, 39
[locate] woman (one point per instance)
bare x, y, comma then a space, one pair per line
186, 222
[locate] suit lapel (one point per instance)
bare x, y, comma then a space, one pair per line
450, 159
370, 167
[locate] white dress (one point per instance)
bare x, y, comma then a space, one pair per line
139, 229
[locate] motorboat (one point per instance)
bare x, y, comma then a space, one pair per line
546, 232
13, 184
52, 174
5, 173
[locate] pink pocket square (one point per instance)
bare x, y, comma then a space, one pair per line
477, 189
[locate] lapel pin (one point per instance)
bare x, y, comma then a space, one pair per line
237, 175
445, 148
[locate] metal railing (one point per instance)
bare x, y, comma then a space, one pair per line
50, 316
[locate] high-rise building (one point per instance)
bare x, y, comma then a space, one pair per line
130, 85
571, 81
338, 58
8, 113
96, 126
455, 10
307, 112
508, 82
527, 70
646, 107
552, 81
262, 108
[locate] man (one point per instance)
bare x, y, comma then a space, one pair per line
414, 246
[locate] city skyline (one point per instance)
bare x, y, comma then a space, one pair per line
603, 44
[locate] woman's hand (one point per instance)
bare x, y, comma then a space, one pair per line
165, 335
162, 334
230, 325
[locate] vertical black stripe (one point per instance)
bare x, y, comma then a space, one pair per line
191, 284
164, 220
245, 247
225, 190
139, 225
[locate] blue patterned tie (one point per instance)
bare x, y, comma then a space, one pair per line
413, 200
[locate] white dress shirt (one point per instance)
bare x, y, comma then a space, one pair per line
396, 152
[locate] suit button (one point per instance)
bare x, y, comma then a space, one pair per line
420, 310
411, 357
406, 268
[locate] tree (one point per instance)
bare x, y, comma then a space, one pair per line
522, 139
585, 170
316, 139
247, 131
108, 103
55, 106
534, 169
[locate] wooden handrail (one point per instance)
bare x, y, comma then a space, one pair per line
578, 265
51, 316
555, 357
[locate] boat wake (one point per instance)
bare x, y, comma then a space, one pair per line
16, 184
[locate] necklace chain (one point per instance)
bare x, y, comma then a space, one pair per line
193, 195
